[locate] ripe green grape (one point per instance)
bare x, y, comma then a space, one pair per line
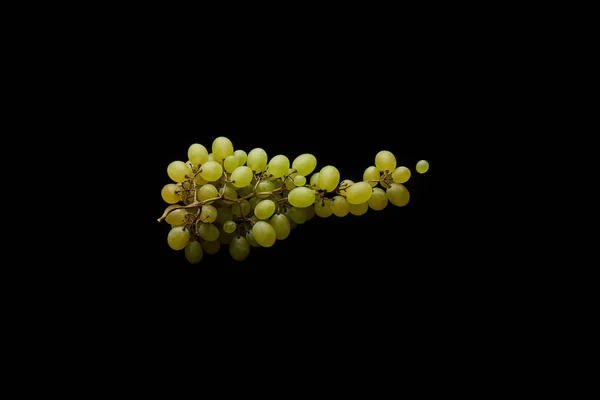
371, 174
254, 202
178, 171
298, 215
359, 193
176, 217
170, 193
385, 161
278, 166
289, 183
344, 185
265, 186
200, 181
359, 209
224, 214
401, 175
378, 200
340, 206
323, 208
178, 238
231, 163
229, 226
206, 192
251, 240
211, 157
197, 154
304, 164
211, 171
208, 232
398, 194
241, 156
422, 166
211, 247
301, 197
239, 248
241, 176
264, 234
257, 160
310, 212
246, 190
314, 180
281, 225
208, 215
278, 183
228, 191
241, 209
221, 148
329, 177
193, 252
264, 209
299, 180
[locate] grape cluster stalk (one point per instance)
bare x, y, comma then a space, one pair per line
247, 200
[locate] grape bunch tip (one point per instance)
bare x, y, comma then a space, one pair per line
244, 200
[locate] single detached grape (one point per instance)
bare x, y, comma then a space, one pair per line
401, 175
197, 154
211, 171
193, 252
359, 193
398, 194
422, 166
179, 171
301, 197
378, 200
264, 234
371, 174
257, 160
229, 226
178, 238
385, 161
304, 164
221, 148
170, 193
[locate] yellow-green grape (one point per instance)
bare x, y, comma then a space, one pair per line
277, 196
340, 206
246, 190
206, 192
229, 226
278, 183
229, 192
251, 240
170, 193
371, 174
278, 166
239, 248
241, 176
344, 185
310, 212
200, 181
231, 163
197, 154
329, 177
298, 215
385, 161
178, 171
226, 238
378, 200
398, 194
208, 232
264, 234
193, 252
359, 193
211, 247
224, 214
211, 157
178, 238
264, 209
401, 175
208, 215
301, 197
257, 160
254, 202
241, 156
265, 186
176, 217
359, 209
254, 219
221, 148
422, 166
241, 209
314, 180
211, 171
299, 180
281, 225
289, 183
304, 164
323, 208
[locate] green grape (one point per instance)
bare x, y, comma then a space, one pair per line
222, 147
285, 193
193, 210
265, 186
314, 180
224, 214
385, 161
241, 156
278, 183
264, 209
211, 171
359, 193
193, 252
344, 185
378, 200
371, 174
251, 240
206, 192
398, 194
298, 215
229, 192
281, 225
208, 232
230, 163
211, 157
340, 206
289, 183
329, 177
254, 202
241, 176
310, 212
241, 209
254, 219
278, 166
239, 248
211, 247
323, 208
226, 238
229, 226
208, 215
422, 166
277, 196
299, 180
301, 197
178, 238
176, 217
264, 234
178, 171
359, 209
257, 160
401, 175
246, 190
200, 181
170, 193
197, 154
305, 164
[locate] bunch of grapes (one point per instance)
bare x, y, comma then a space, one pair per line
245, 200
